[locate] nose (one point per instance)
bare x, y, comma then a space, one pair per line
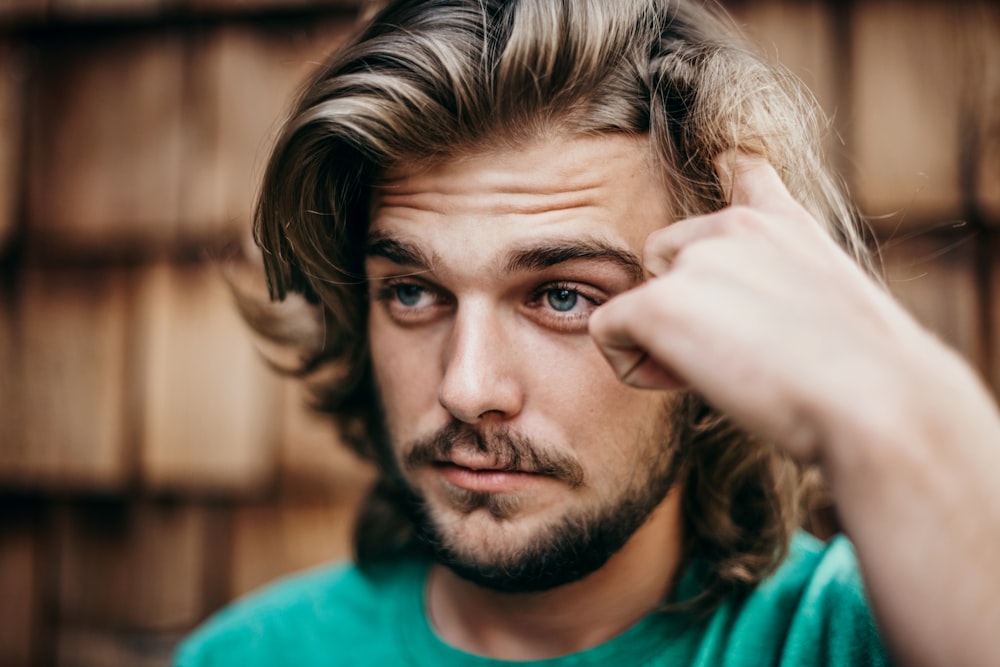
480, 368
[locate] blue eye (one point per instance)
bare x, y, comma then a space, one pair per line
562, 299
408, 295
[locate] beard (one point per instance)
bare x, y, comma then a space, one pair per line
566, 550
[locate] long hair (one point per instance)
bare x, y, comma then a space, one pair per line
429, 80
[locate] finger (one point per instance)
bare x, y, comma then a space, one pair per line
612, 328
663, 245
750, 180
650, 374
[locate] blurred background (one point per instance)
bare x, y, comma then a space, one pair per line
151, 468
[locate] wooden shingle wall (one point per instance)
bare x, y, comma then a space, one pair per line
150, 468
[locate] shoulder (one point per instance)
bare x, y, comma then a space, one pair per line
304, 616
814, 568
818, 606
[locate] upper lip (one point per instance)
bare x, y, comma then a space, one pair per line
478, 462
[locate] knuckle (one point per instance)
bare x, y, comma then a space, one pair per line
658, 245
742, 219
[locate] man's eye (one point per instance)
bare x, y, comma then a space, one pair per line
409, 294
562, 299
410, 303
564, 307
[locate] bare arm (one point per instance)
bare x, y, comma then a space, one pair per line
757, 309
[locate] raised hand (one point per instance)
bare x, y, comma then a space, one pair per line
756, 308
759, 310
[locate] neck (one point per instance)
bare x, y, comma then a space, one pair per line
570, 618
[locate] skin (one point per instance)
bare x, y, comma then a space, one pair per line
758, 296
461, 333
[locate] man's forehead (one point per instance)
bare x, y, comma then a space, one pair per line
560, 157
607, 171
553, 201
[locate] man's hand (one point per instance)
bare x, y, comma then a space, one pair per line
757, 309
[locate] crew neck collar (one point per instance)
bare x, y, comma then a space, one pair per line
657, 635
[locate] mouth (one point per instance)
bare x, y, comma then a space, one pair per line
486, 477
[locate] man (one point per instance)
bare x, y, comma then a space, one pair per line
472, 194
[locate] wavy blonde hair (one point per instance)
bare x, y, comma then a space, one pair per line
430, 80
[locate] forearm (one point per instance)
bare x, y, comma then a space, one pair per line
914, 478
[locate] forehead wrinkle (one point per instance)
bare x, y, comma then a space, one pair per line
495, 190
498, 201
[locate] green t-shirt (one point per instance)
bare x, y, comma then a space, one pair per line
812, 611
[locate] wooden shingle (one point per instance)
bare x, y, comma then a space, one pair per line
272, 540
106, 143
935, 276
244, 5
130, 565
211, 409
90, 9
10, 392
799, 36
10, 139
313, 462
241, 84
86, 646
72, 334
21, 571
14, 11
985, 101
907, 79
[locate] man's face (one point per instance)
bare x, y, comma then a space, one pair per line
533, 462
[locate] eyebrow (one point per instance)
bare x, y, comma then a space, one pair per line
549, 254
530, 258
396, 251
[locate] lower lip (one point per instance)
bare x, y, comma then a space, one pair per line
487, 481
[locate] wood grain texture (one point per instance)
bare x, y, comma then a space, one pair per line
985, 101
130, 565
10, 392
211, 408
71, 331
799, 36
313, 461
908, 78
106, 8
273, 540
241, 83
106, 143
21, 571
86, 646
11, 131
244, 5
14, 11
935, 276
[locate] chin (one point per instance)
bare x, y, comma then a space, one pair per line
526, 554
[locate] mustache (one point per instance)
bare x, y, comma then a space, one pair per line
511, 451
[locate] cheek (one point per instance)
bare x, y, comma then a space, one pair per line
407, 372
578, 370
603, 418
